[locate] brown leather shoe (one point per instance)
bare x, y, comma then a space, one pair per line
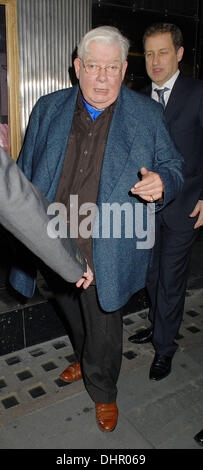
72, 373
107, 416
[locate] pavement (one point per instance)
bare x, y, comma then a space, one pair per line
39, 411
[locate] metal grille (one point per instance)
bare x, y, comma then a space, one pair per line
48, 32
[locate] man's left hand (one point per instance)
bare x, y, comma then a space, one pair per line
86, 280
150, 188
198, 210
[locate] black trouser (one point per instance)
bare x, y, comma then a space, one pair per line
96, 336
167, 282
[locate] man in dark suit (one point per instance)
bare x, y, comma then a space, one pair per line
177, 224
90, 142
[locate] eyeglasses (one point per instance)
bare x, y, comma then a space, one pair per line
93, 69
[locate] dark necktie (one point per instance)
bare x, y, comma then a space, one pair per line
160, 93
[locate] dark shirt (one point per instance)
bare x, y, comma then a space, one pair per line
82, 167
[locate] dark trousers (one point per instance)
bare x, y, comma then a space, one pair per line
167, 282
96, 336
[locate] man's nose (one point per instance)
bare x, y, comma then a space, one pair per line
155, 59
102, 74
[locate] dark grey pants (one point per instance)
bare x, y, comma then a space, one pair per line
96, 336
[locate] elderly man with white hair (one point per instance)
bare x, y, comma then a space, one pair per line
105, 146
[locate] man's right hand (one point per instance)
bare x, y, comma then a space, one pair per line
86, 280
150, 188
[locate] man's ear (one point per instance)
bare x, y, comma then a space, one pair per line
124, 67
180, 53
77, 67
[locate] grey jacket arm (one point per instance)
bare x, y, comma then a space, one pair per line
23, 211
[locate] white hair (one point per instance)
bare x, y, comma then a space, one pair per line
106, 34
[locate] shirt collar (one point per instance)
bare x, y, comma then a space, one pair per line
94, 113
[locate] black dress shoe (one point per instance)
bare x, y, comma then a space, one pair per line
160, 368
199, 438
142, 336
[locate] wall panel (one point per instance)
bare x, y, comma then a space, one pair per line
48, 32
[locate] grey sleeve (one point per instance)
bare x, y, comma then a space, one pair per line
23, 211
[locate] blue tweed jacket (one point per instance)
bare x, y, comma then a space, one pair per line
137, 137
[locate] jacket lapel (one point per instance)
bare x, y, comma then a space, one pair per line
176, 99
57, 138
119, 142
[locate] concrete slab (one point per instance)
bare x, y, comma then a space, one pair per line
69, 424
152, 415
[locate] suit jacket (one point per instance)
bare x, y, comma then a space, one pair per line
184, 117
137, 137
23, 211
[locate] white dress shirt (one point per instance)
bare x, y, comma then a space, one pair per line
169, 84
